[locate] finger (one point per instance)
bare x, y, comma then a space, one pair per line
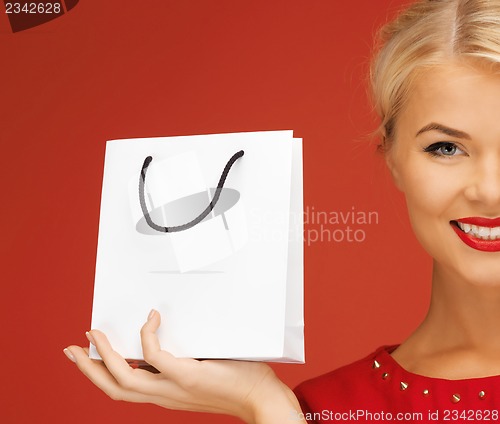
126, 376
96, 372
176, 368
169, 395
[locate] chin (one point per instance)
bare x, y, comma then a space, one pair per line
472, 267
480, 269
486, 278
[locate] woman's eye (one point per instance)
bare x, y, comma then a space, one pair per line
443, 148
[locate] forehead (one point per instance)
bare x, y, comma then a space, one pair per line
462, 96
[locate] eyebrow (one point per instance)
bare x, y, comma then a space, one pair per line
433, 126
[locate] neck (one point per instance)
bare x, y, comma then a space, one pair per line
462, 313
462, 325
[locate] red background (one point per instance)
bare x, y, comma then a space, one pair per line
121, 69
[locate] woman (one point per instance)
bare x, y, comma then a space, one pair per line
436, 85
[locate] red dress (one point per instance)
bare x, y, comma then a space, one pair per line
378, 389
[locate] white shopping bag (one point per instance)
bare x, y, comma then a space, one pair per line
208, 231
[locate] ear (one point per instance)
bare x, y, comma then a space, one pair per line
393, 168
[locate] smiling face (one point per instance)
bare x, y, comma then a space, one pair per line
445, 157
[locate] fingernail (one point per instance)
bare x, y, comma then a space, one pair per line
70, 356
91, 339
151, 314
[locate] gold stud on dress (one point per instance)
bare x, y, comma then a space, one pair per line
385, 375
403, 385
482, 394
375, 365
455, 398
425, 392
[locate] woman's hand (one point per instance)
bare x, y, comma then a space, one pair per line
248, 390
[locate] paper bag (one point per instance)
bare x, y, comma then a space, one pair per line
208, 231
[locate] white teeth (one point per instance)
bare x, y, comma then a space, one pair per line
484, 233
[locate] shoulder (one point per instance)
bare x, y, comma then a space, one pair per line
348, 386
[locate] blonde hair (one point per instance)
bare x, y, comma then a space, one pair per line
429, 33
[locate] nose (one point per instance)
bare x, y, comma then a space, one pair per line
484, 183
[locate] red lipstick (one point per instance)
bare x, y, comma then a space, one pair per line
474, 241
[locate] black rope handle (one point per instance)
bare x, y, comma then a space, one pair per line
201, 216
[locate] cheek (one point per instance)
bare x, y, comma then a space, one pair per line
432, 195
426, 190
438, 186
